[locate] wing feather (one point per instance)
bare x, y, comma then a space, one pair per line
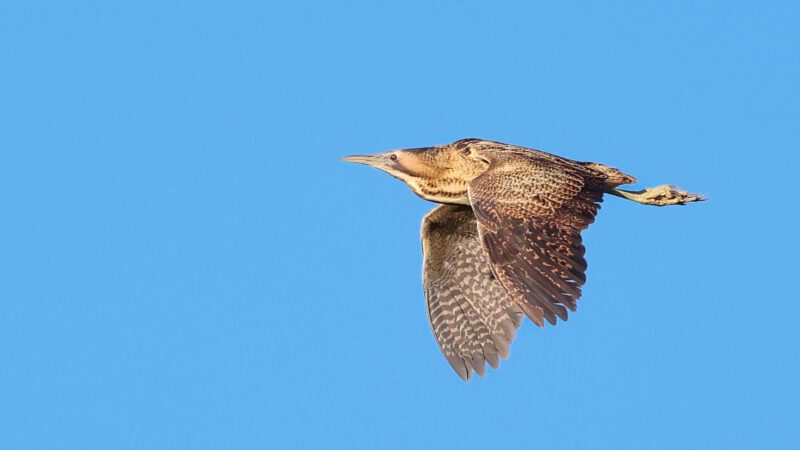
531, 208
470, 314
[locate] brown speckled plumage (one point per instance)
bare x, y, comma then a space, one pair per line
506, 240
472, 317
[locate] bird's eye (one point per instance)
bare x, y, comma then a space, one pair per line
393, 157
466, 151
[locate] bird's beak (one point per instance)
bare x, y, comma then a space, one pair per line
370, 160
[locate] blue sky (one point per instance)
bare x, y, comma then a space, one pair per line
184, 262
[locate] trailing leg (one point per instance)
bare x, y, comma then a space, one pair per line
665, 195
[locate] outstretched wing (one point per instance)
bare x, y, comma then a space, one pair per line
531, 208
472, 318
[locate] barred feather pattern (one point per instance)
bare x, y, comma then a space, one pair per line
471, 316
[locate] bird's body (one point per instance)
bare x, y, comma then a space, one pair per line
506, 239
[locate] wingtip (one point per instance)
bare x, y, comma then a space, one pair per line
460, 367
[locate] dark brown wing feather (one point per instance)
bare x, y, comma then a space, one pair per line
531, 207
471, 316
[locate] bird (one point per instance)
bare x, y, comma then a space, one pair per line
504, 242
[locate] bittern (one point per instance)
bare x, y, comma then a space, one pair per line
505, 241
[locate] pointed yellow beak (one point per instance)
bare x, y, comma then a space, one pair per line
370, 160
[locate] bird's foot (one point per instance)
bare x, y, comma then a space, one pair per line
664, 195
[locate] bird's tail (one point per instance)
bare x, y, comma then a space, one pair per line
657, 196
614, 177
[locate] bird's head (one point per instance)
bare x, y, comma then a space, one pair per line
440, 174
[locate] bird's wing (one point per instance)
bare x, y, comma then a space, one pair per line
531, 207
472, 318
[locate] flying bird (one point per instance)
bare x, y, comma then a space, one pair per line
505, 241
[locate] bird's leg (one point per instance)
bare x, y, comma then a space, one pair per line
658, 196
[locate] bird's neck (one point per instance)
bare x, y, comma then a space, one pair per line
448, 190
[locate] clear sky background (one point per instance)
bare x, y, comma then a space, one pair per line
185, 263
